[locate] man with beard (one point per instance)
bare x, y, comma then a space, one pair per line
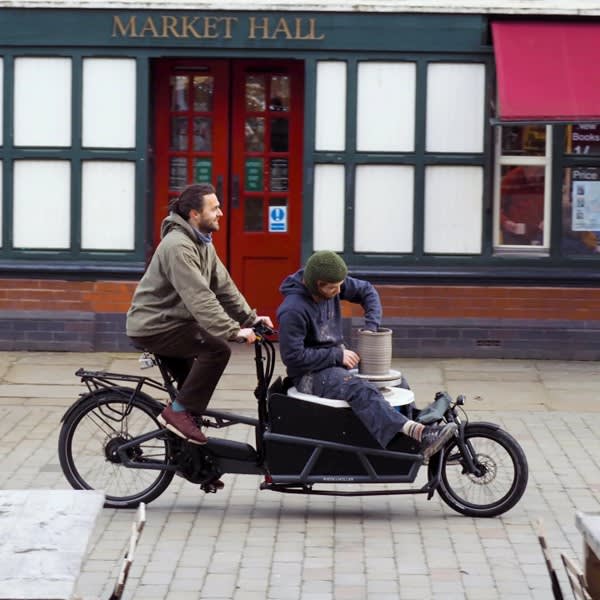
186, 308
318, 363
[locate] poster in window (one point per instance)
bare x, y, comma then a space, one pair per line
203, 170
585, 199
279, 174
584, 138
177, 172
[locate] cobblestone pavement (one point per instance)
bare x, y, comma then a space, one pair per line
246, 544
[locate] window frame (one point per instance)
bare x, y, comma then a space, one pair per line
75, 258
501, 160
419, 158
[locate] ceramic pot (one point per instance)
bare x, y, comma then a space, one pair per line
375, 351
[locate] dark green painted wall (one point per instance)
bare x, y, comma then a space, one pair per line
230, 30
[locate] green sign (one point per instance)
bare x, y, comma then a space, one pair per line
203, 170
254, 175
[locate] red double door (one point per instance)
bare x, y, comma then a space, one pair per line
238, 125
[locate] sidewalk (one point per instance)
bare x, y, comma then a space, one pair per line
244, 544
493, 384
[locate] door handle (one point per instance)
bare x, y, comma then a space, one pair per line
220, 187
235, 192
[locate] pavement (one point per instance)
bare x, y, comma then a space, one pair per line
246, 544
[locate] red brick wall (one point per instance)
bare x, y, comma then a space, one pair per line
398, 300
51, 294
487, 302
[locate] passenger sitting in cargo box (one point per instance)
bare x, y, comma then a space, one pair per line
318, 363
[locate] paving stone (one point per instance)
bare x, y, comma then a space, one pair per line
244, 544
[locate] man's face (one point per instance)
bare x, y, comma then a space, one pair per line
207, 220
328, 290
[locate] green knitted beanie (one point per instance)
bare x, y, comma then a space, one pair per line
326, 266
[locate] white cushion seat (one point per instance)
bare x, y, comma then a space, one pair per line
395, 396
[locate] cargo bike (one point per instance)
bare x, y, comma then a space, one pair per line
110, 440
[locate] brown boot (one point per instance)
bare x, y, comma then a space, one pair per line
182, 424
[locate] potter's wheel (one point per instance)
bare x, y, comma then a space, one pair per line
389, 379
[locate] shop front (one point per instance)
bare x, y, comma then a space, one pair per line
385, 136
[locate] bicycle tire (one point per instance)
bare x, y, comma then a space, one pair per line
504, 473
91, 431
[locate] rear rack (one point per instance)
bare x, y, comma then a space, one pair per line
95, 380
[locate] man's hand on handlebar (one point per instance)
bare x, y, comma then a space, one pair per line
266, 320
246, 335
261, 326
351, 359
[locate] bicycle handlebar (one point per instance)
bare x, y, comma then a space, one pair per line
261, 329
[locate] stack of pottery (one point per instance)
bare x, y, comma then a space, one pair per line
375, 351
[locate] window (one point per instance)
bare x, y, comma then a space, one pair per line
522, 190
399, 158
580, 203
71, 160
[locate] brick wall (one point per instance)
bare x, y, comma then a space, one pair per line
48, 314
519, 322
487, 302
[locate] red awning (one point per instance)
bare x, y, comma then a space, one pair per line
547, 71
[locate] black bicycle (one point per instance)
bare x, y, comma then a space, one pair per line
110, 440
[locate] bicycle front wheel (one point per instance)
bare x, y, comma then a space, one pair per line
88, 442
500, 478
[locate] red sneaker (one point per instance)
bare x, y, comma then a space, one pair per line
182, 424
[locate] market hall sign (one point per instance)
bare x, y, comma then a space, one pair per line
215, 28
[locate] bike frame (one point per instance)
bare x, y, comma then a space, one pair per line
235, 457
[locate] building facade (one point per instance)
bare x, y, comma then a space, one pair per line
449, 151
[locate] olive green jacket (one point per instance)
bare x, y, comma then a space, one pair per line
186, 281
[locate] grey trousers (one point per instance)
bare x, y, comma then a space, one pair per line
376, 414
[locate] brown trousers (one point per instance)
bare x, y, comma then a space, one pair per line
194, 357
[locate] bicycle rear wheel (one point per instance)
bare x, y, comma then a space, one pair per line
88, 442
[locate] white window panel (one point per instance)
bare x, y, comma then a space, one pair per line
386, 107
383, 208
328, 209
42, 102
42, 204
109, 116
455, 106
1, 99
108, 205
453, 210
330, 130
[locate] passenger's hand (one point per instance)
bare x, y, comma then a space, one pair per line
351, 359
247, 334
266, 320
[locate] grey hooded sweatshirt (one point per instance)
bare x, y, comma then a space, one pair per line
186, 281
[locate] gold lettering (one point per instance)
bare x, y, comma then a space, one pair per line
120, 30
254, 26
149, 27
213, 27
169, 27
282, 27
312, 31
210, 27
188, 26
228, 22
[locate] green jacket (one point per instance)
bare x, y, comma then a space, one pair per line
186, 281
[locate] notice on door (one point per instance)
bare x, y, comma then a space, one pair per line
278, 219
